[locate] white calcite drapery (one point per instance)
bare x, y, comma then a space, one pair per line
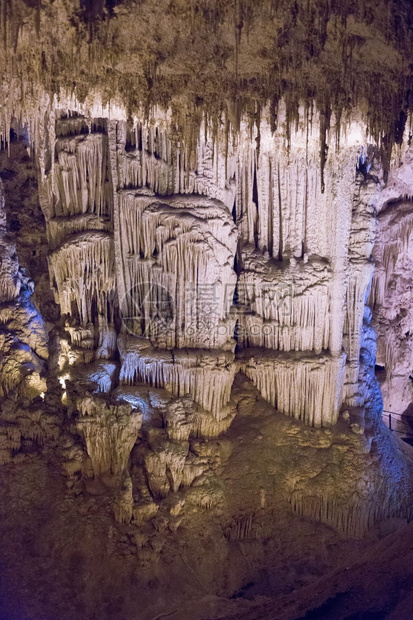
306, 387
207, 375
177, 264
284, 305
82, 272
233, 242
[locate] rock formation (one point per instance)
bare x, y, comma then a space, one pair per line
188, 369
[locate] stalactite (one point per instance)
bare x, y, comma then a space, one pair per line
391, 251
178, 265
96, 376
305, 387
139, 223
80, 177
110, 431
10, 281
160, 164
325, 117
206, 375
357, 288
107, 339
394, 243
293, 212
83, 274
123, 502
59, 228
166, 458
284, 307
352, 519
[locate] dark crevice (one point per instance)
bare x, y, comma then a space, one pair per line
234, 212
255, 201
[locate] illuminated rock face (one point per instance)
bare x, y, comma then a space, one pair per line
390, 297
210, 249
181, 276
189, 326
110, 432
177, 265
305, 387
23, 338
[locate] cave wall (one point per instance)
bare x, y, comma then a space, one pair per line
174, 269
293, 249
197, 272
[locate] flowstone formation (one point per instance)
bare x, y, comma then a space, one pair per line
215, 350
269, 263
196, 294
390, 293
175, 274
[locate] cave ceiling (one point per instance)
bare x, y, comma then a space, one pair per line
217, 58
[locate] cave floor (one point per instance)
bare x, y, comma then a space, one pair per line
249, 556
